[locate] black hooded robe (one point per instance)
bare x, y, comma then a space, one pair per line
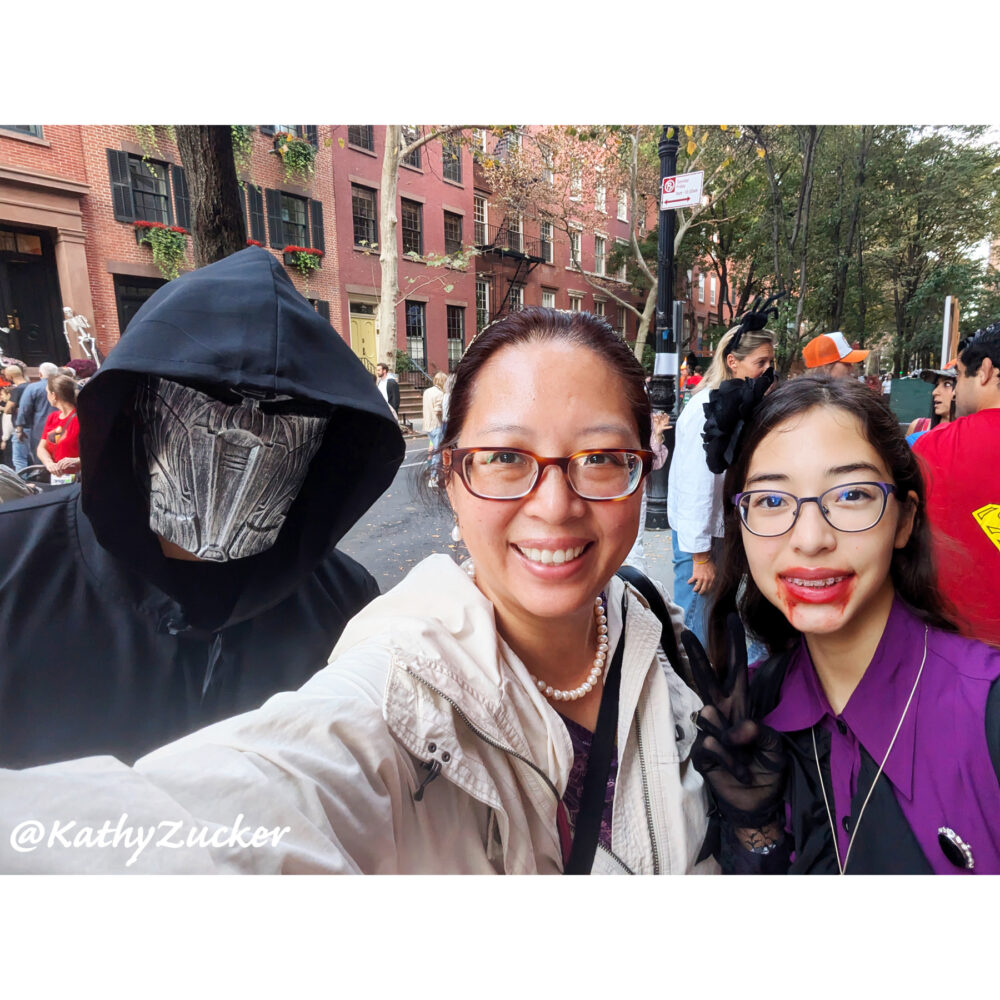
107, 647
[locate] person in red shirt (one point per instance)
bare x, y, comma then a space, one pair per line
59, 448
963, 495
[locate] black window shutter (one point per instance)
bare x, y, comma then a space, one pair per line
182, 201
267, 130
316, 213
274, 218
312, 135
323, 308
243, 209
121, 186
256, 213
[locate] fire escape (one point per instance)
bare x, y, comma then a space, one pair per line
509, 246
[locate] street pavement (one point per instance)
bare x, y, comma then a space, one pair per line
403, 527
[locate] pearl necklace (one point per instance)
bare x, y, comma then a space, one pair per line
595, 671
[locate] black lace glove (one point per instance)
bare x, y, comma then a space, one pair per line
741, 760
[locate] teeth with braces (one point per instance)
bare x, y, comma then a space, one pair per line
551, 557
815, 583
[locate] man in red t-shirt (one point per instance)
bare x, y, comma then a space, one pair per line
961, 463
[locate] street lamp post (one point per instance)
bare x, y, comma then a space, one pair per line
661, 388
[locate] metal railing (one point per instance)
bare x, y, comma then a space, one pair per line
505, 239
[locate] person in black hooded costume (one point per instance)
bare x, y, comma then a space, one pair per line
115, 637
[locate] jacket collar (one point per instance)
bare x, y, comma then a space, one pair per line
877, 703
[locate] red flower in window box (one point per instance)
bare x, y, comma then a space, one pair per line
312, 250
143, 224
254, 243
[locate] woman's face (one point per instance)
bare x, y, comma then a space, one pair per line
943, 394
823, 580
755, 363
553, 399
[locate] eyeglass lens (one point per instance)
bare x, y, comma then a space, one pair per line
503, 475
850, 507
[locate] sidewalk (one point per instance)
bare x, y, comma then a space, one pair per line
658, 552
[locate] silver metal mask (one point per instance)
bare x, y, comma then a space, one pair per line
222, 477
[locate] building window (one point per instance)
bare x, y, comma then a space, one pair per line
575, 302
362, 135
482, 304
452, 233
35, 130
600, 191
294, 225
712, 294
150, 192
623, 250
548, 171
514, 230
623, 206
701, 288
481, 139
410, 134
545, 238
412, 224
599, 307
416, 327
599, 245
365, 217
451, 161
516, 298
480, 216
574, 248
621, 321
576, 184
549, 298
456, 335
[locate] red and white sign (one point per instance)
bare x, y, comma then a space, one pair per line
682, 190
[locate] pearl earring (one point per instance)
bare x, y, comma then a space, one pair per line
456, 533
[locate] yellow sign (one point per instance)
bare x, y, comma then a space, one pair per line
988, 518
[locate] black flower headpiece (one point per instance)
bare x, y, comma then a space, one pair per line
755, 318
727, 413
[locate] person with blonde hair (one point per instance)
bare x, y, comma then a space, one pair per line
434, 423
694, 493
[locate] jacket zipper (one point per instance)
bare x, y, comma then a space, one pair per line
485, 737
611, 854
645, 797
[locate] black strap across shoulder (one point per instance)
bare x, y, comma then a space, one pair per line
993, 725
668, 638
595, 781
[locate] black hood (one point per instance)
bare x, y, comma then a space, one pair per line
237, 323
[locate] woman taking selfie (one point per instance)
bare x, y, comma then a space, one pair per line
870, 740
511, 715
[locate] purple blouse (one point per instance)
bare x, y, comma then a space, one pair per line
940, 769
582, 738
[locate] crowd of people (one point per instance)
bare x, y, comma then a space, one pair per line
534, 709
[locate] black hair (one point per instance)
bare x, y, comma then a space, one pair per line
912, 567
984, 343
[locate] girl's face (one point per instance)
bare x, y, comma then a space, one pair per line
755, 363
824, 580
943, 394
553, 399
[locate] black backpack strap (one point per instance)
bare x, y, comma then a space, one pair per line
993, 725
668, 639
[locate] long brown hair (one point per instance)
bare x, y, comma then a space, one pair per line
912, 567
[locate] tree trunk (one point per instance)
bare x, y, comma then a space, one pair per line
648, 312
217, 226
388, 255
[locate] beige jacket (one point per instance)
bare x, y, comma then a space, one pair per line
420, 692
433, 398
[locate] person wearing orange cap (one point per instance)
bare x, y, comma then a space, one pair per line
831, 354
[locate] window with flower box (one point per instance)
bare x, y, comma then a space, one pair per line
291, 220
362, 136
147, 191
411, 218
365, 215
452, 232
456, 335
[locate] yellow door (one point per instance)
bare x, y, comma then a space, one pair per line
363, 338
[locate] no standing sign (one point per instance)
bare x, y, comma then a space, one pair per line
682, 190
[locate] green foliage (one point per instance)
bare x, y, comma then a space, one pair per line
242, 145
150, 144
169, 249
304, 262
298, 157
403, 363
